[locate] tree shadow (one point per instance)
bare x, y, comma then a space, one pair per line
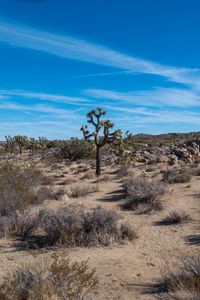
38, 242
149, 288
115, 196
163, 223
192, 240
195, 195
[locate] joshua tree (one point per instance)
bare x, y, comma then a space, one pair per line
10, 144
33, 145
43, 141
101, 134
21, 141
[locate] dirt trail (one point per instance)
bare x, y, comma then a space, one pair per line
128, 269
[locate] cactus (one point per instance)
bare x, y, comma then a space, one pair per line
101, 134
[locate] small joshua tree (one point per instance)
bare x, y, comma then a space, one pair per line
33, 145
101, 134
21, 141
10, 144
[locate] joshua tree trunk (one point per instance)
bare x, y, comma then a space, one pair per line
98, 161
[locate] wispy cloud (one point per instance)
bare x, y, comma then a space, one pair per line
136, 110
61, 112
77, 49
156, 97
43, 96
157, 118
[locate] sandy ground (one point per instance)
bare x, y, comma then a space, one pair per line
126, 270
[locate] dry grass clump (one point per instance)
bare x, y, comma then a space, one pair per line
183, 175
183, 284
19, 188
144, 194
77, 191
53, 278
174, 218
74, 227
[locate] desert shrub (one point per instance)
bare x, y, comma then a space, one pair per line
123, 171
77, 191
175, 217
196, 171
21, 224
127, 232
58, 194
68, 180
184, 283
177, 176
4, 225
103, 178
53, 278
143, 194
76, 149
82, 168
18, 188
150, 168
72, 226
89, 175
44, 193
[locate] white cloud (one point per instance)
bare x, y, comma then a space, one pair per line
64, 113
77, 49
156, 97
43, 96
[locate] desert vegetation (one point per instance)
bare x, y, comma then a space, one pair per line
183, 283
143, 194
124, 207
52, 278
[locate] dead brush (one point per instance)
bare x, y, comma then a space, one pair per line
175, 217
71, 226
173, 176
143, 194
68, 180
52, 278
77, 191
196, 171
23, 225
103, 178
89, 175
19, 188
182, 284
123, 171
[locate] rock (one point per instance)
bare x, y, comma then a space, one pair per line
164, 159
172, 160
145, 174
64, 197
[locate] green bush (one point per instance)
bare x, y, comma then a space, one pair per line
76, 149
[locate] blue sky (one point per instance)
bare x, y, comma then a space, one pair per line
139, 59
